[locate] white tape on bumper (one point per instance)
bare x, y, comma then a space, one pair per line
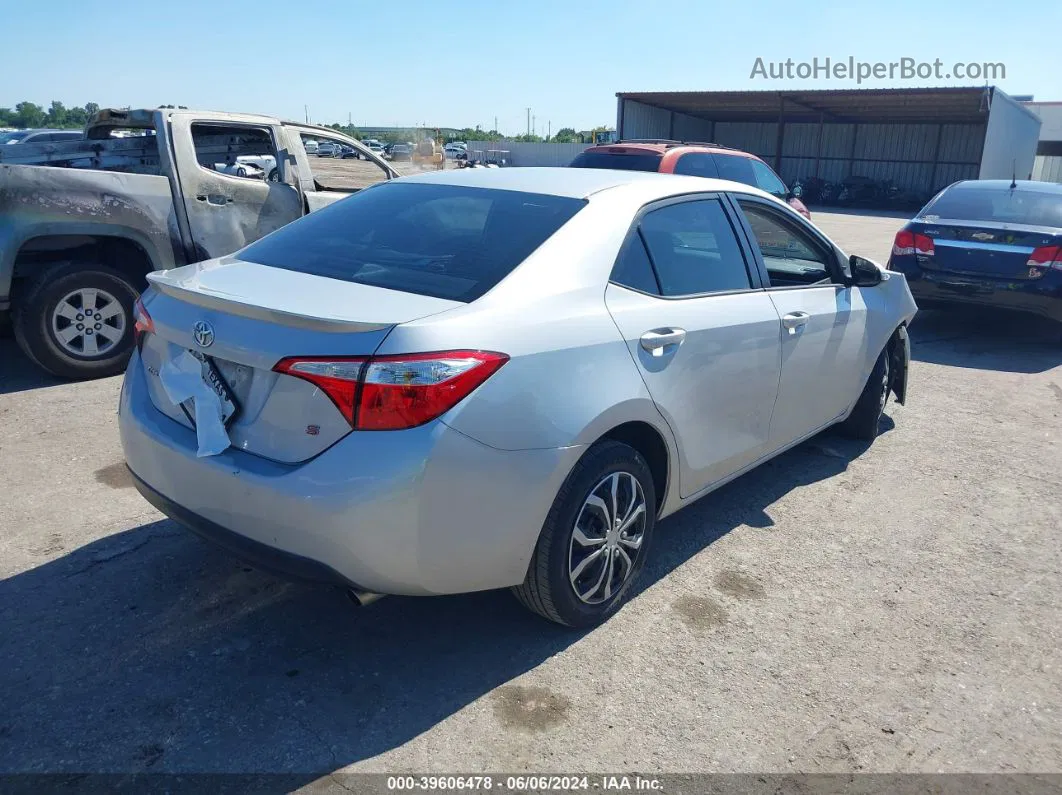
182, 378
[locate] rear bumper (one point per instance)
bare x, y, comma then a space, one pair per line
423, 511
261, 556
1041, 296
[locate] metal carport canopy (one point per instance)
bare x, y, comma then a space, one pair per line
878, 105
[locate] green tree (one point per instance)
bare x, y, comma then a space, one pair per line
566, 135
56, 116
76, 117
529, 138
91, 108
28, 114
7, 117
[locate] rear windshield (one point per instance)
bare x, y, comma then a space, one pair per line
446, 241
1000, 205
649, 162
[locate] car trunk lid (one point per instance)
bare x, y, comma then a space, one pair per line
978, 249
242, 318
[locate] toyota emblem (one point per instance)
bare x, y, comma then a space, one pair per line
203, 334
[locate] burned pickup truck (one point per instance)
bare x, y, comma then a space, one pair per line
83, 222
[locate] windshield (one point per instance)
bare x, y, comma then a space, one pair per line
446, 241
638, 162
13, 137
996, 205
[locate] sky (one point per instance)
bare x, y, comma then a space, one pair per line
465, 62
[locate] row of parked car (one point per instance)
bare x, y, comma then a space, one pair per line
39, 136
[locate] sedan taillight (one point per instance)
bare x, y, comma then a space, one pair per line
143, 324
1046, 257
907, 243
903, 245
385, 393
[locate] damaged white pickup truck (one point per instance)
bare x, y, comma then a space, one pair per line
83, 222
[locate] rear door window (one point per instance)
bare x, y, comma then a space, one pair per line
446, 241
236, 150
633, 268
697, 164
694, 249
736, 168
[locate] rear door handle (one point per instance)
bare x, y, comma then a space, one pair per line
658, 341
795, 321
214, 198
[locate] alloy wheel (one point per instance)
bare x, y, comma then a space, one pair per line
88, 322
607, 538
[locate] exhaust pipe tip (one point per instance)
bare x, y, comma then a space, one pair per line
363, 598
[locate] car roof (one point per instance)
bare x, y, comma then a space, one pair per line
580, 183
1004, 185
663, 147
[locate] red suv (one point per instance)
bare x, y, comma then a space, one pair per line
696, 159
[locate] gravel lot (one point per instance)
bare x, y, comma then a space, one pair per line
842, 608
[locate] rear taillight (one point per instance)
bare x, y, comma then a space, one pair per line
142, 323
337, 378
1046, 257
386, 393
908, 243
903, 245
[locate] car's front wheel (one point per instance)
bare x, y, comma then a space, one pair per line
595, 539
863, 422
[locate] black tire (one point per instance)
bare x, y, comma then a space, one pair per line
37, 300
274, 176
863, 422
547, 589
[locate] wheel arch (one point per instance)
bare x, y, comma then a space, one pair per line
122, 248
653, 446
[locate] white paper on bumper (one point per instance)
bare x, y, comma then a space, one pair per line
182, 378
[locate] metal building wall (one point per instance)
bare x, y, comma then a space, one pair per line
523, 153
690, 128
759, 138
642, 121
920, 157
1047, 168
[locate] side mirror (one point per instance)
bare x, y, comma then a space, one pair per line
865, 272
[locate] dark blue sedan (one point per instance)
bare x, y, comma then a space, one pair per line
988, 242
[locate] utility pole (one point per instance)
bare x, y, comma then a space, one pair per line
495, 124
306, 110
533, 124
529, 121
549, 129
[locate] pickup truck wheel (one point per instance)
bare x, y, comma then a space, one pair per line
76, 320
595, 539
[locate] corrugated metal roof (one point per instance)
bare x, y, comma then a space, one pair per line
928, 105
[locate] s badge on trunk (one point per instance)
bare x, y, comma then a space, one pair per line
203, 334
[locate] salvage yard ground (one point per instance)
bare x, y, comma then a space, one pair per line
843, 608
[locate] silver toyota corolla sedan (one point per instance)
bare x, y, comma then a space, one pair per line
494, 378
